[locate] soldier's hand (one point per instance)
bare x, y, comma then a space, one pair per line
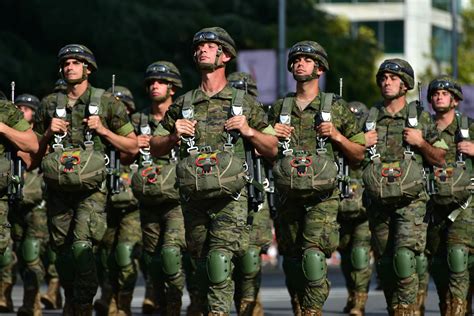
466, 147
283, 131
371, 138
94, 123
143, 141
327, 129
58, 126
185, 127
239, 122
413, 136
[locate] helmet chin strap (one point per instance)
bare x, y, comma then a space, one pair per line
445, 109
211, 66
306, 78
76, 81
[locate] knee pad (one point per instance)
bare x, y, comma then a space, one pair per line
250, 262
51, 255
171, 260
30, 249
7, 257
218, 266
404, 262
360, 257
457, 258
83, 256
421, 264
123, 254
314, 265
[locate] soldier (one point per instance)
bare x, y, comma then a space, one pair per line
213, 122
78, 123
395, 184
248, 272
15, 134
162, 221
317, 126
118, 273
354, 233
449, 235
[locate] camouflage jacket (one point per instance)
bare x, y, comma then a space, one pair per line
12, 117
304, 123
211, 114
449, 136
111, 111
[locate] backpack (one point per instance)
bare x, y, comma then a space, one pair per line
32, 188
306, 174
124, 199
351, 207
452, 184
208, 173
75, 169
390, 182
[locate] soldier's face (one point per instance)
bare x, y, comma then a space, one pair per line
442, 100
206, 52
28, 113
158, 90
391, 85
73, 68
303, 66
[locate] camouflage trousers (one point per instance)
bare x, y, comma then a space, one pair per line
163, 226
247, 284
303, 225
4, 225
216, 225
354, 232
77, 219
123, 228
394, 227
444, 234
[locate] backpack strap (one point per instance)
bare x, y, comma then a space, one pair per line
144, 126
285, 114
235, 109
412, 118
371, 122
61, 100
188, 107
326, 104
463, 126
94, 103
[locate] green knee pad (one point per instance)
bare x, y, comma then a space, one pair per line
218, 266
171, 260
123, 254
250, 262
314, 265
30, 249
51, 255
360, 257
83, 255
404, 262
6, 258
457, 258
421, 264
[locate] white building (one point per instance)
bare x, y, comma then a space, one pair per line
410, 29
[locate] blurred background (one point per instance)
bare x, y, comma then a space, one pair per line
435, 36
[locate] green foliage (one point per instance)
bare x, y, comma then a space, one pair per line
126, 36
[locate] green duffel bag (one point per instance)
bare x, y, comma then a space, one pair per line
125, 198
305, 175
211, 175
392, 182
351, 207
155, 184
452, 185
32, 188
74, 170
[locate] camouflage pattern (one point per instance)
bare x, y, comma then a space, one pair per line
163, 70
303, 224
243, 81
403, 224
445, 82
125, 95
216, 35
311, 49
79, 52
80, 217
398, 67
444, 233
215, 224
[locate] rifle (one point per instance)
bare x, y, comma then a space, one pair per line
271, 189
114, 163
343, 171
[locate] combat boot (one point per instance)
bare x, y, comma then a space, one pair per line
311, 312
148, 305
295, 305
124, 304
6, 305
349, 303
420, 303
358, 309
106, 304
31, 303
402, 310
83, 309
258, 310
217, 314
246, 307
53, 298
458, 307
173, 308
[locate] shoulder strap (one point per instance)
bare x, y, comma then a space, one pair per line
412, 119
188, 108
144, 126
285, 114
463, 126
371, 121
94, 104
326, 104
237, 102
61, 100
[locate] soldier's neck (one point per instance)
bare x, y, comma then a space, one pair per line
395, 105
76, 90
213, 82
307, 91
159, 109
443, 120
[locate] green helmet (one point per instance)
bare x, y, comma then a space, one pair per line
123, 94
400, 68
358, 108
243, 81
28, 100
60, 85
445, 82
2, 96
163, 70
311, 49
216, 35
79, 52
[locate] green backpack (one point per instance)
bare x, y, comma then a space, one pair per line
75, 169
390, 182
124, 199
208, 174
453, 184
351, 207
32, 188
304, 174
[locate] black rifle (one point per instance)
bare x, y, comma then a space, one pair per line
271, 189
114, 163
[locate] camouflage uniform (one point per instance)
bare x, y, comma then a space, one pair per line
12, 117
79, 219
305, 225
